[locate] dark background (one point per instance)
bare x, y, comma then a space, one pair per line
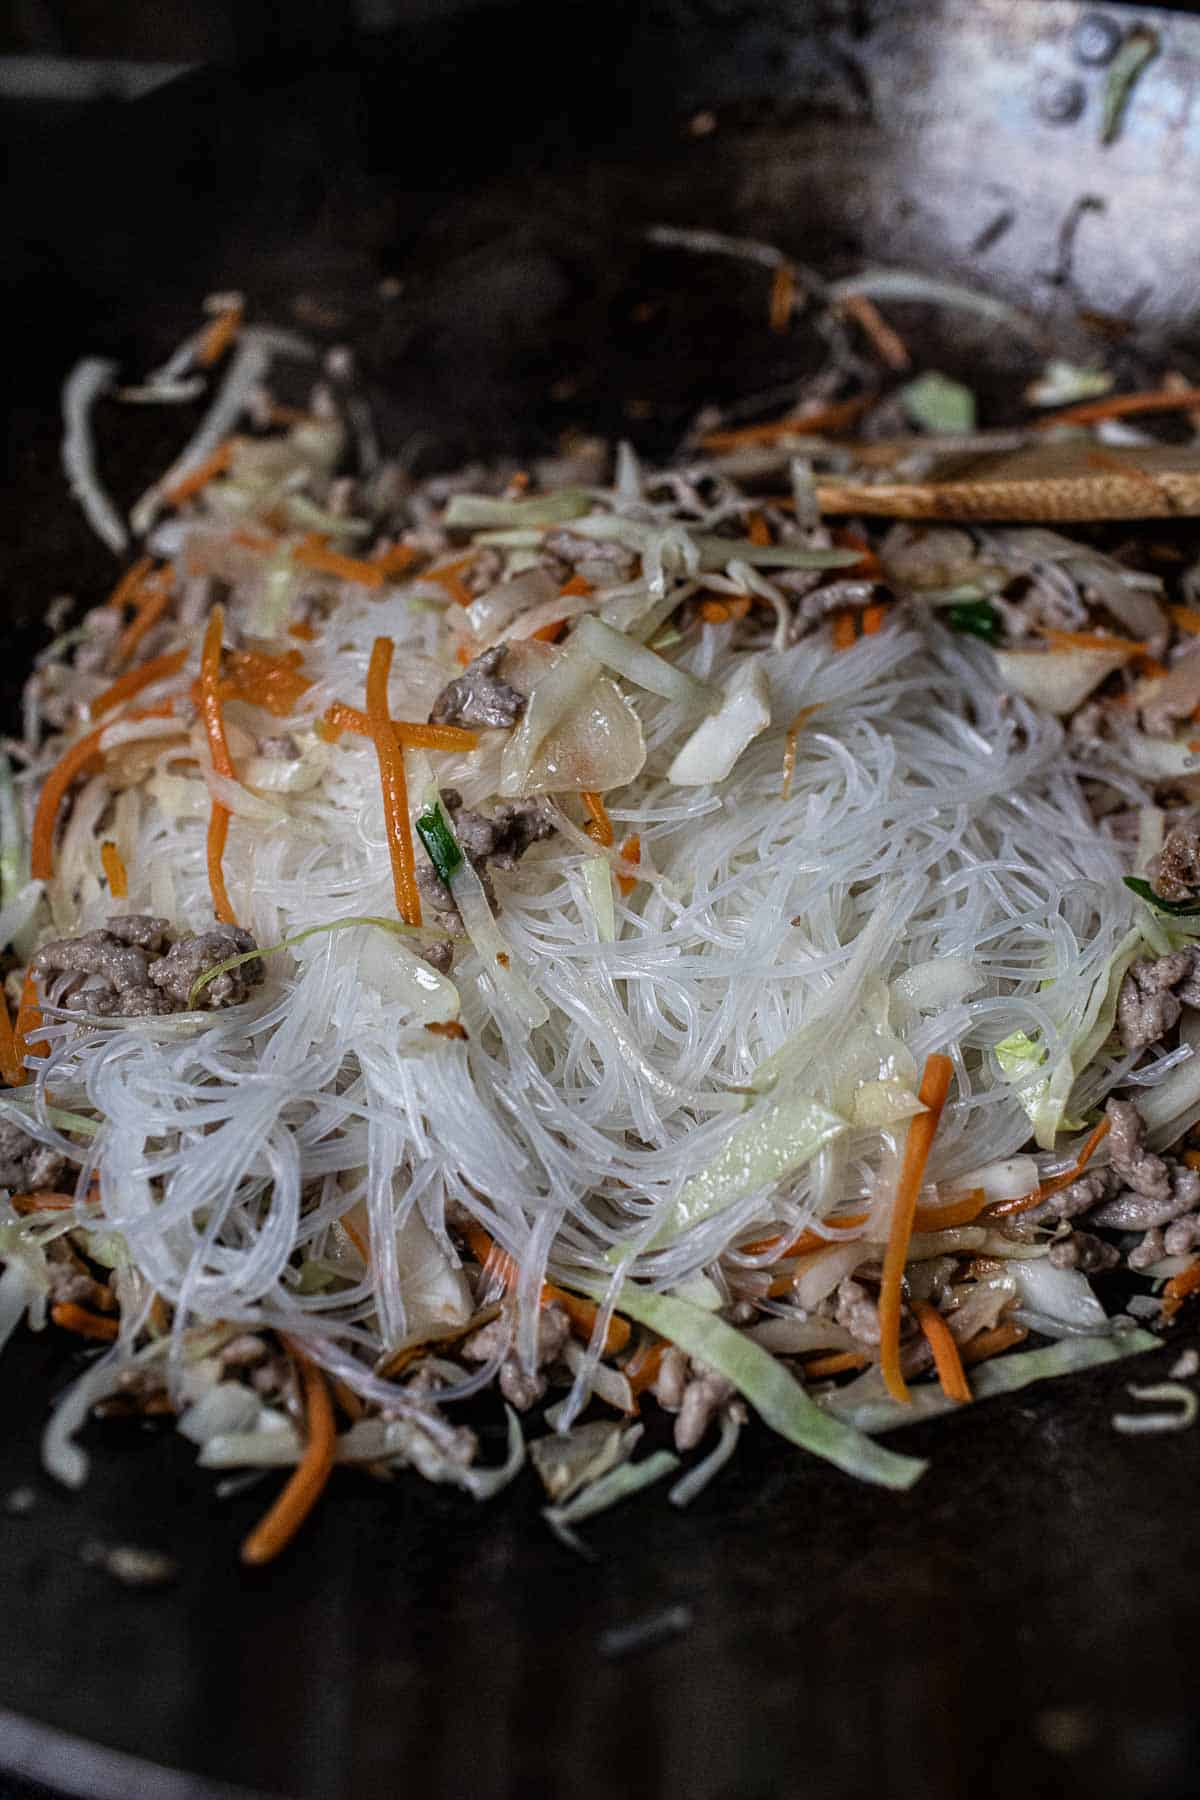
1025, 1619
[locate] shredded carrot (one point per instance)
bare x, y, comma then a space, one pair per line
411, 733
303, 630
888, 344
125, 687
757, 529
550, 634
214, 725
1122, 406
631, 851
272, 682
575, 589
868, 567
1001, 1209
1093, 640
448, 577
1192, 1158
307, 1483
447, 1028
355, 1235
935, 1085
216, 338
992, 1343
641, 1371
845, 630
114, 869
873, 619
350, 1403
49, 1202
152, 599
130, 582
783, 297
10, 1063
839, 1362
835, 417
790, 745
312, 554
581, 1313
394, 784
946, 1359
943, 1217
714, 612
463, 655
190, 484
600, 826
1179, 1287
1186, 618
84, 1323
65, 771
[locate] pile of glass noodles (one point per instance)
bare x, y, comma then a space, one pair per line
597, 935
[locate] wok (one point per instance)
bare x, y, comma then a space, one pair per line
1023, 1620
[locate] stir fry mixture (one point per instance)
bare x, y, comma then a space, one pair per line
612, 935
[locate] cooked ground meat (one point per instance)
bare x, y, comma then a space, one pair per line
857, 1312
816, 606
1178, 874
498, 840
703, 1397
1082, 1250
175, 973
600, 560
478, 696
1153, 994
1152, 1249
519, 1387
27, 1167
1077, 1198
671, 1380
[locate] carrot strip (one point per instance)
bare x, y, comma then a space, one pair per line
153, 597
783, 297
1192, 1158
217, 337
130, 582
397, 559
83, 1322
448, 577
631, 850
10, 1063
65, 771
873, 619
312, 554
757, 529
394, 784
575, 589
641, 1371
1178, 1289
845, 630
868, 567
276, 1530
1002, 1209
214, 726
356, 1237
1123, 406
790, 745
888, 344
943, 1217
48, 1202
935, 1085
837, 1363
550, 634
581, 1313
804, 424
946, 1359
126, 686
410, 733
1186, 618
991, 1343
114, 869
601, 827
190, 484
29, 1020
714, 612
303, 630
1092, 640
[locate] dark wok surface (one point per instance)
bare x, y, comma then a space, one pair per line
1024, 1619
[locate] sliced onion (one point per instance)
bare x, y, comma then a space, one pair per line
492, 948
714, 747
1064, 1295
638, 664
1057, 680
578, 732
494, 611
